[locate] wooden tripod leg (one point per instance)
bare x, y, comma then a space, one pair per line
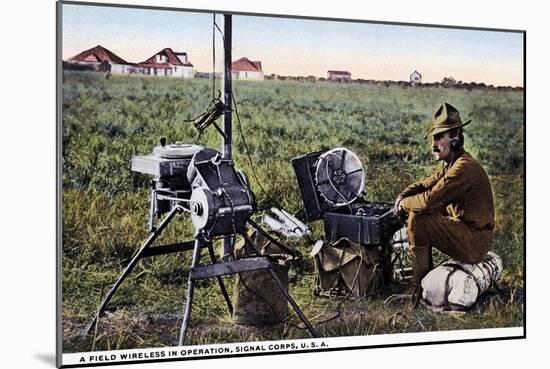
301, 315
131, 266
220, 280
190, 286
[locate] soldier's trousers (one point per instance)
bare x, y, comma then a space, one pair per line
452, 237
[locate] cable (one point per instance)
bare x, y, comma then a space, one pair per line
214, 56
223, 38
239, 126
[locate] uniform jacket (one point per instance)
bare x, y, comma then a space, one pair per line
461, 190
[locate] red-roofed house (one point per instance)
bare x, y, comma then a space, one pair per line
101, 58
338, 75
247, 69
168, 63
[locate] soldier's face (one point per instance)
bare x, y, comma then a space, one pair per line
441, 147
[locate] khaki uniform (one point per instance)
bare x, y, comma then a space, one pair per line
453, 211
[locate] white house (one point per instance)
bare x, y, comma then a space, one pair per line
338, 75
100, 58
415, 78
168, 63
247, 69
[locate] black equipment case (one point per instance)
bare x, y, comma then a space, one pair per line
361, 221
331, 185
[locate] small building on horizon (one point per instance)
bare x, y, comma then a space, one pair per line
167, 62
415, 78
338, 75
245, 68
100, 59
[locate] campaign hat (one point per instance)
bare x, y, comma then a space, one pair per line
446, 118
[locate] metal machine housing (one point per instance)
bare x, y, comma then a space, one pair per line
368, 223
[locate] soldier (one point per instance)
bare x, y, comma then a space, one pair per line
452, 210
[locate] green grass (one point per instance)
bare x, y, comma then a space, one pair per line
107, 121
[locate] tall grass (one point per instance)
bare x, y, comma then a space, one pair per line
107, 121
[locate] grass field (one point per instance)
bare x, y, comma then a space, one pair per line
107, 121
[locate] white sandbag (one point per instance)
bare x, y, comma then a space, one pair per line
457, 285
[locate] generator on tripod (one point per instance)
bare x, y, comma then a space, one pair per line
355, 258
201, 183
206, 185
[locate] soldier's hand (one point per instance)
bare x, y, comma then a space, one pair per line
397, 207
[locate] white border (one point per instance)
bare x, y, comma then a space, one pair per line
27, 333
283, 346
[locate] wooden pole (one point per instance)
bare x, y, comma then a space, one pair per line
227, 89
226, 118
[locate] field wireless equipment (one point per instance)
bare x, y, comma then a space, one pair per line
199, 182
203, 184
331, 184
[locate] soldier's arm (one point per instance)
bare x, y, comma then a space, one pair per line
456, 181
422, 186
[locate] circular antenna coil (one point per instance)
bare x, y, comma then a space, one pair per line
339, 176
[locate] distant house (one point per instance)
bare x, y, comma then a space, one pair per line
168, 63
415, 78
338, 75
247, 69
100, 59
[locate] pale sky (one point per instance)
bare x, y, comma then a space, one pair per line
301, 47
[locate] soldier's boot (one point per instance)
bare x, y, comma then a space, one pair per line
419, 239
422, 260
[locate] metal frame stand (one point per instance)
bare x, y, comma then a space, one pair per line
197, 272
146, 251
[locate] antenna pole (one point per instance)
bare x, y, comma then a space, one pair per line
227, 89
226, 118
